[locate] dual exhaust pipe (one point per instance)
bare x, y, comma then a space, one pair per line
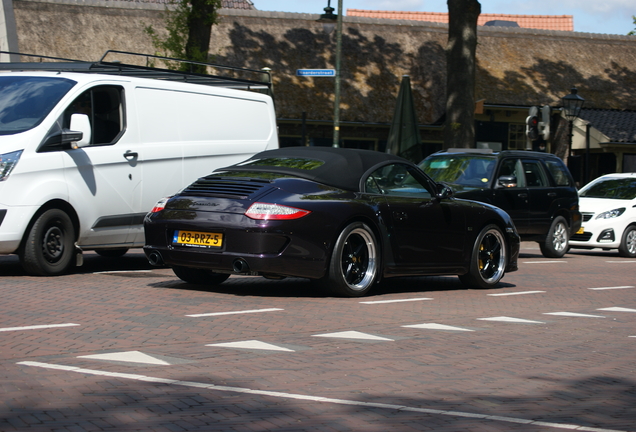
238, 266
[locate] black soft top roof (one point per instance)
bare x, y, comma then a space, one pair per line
342, 168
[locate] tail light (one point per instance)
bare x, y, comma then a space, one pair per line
265, 211
160, 205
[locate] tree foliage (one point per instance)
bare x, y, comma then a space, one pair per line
189, 27
633, 32
459, 130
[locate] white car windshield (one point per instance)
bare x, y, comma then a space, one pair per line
612, 188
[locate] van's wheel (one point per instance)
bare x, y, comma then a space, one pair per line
627, 248
557, 239
488, 259
199, 276
354, 265
48, 248
111, 253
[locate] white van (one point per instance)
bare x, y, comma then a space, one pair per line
86, 149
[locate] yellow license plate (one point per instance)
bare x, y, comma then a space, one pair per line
581, 231
197, 238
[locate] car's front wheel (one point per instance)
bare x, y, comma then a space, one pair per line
488, 259
354, 264
199, 276
557, 239
627, 247
48, 248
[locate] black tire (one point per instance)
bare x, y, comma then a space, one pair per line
557, 239
48, 248
627, 248
199, 276
354, 264
488, 259
111, 253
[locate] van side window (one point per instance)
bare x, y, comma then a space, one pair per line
104, 108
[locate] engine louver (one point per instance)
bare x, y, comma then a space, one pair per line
225, 188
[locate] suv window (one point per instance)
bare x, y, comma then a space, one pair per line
560, 176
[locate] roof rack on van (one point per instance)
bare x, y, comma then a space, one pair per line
234, 77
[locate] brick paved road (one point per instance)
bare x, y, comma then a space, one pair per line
168, 366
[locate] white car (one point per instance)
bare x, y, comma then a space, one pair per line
608, 207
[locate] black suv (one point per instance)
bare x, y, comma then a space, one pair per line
536, 189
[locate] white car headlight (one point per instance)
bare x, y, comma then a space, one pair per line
8, 162
611, 213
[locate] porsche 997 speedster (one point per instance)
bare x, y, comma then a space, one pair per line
344, 218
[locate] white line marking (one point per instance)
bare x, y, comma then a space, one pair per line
434, 326
233, 312
251, 344
544, 262
618, 309
128, 356
516, 293
572, 314
353, 335
622, 262
296, 396
611, 288
396, 301
510, 319
123, 271
37, 327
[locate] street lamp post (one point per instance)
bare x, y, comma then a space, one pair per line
572, 104
328, 19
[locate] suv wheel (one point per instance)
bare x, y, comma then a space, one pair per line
556, 241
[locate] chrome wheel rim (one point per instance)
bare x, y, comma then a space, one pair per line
492, 256
630, 241
560, 237
359, 259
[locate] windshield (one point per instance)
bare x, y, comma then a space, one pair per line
466, 170
26, 101
624, 188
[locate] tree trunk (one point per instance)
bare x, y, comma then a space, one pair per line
203, 15
459, 130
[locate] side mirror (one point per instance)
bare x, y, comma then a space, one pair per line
507, 181
443, 191
82, 126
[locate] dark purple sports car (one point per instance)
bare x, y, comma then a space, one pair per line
344, 218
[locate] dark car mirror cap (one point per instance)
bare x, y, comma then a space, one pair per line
507, 181
444, 191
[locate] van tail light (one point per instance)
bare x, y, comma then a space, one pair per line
160, 205
265, 211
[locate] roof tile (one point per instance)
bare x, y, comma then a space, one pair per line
541, 22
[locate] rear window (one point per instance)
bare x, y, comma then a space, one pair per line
26, 101
559, 173
304, 164
624, 188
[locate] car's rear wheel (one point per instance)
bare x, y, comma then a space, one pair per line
48, 248
354, 264
111, 253
557, 239
627, 247
488, 259
199, 276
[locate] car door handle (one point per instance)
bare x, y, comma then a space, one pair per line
552, 194
130, 155
523, 195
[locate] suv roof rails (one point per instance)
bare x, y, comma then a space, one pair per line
470, 150
232, 77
